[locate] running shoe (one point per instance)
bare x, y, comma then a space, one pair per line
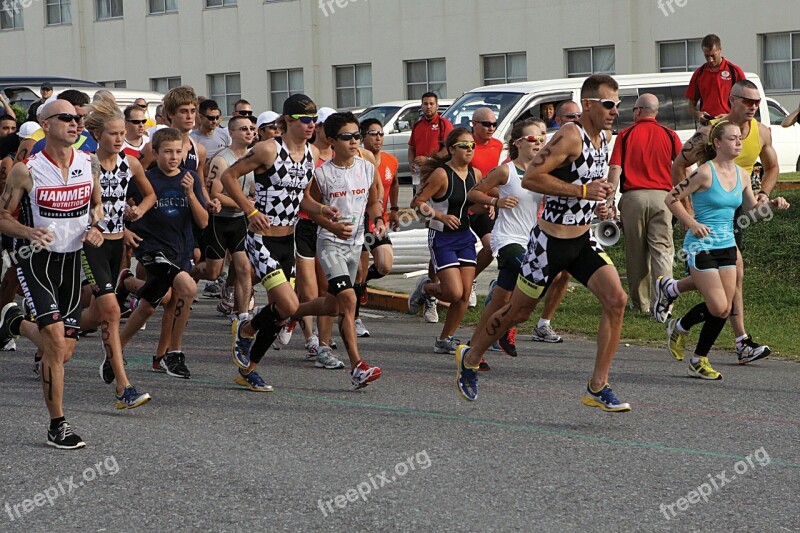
252, 381
430, 313
417, 296
363, 374
131, 398
492, 285
473, 297
495, 347
364, 298
212, 290
9, 346
605, 400
64, 438
508, 342
156, 366
748, 350
240, 346
676, 341
447, 345
333, 344
326, 359
37, 365
483, 366
545, 334
225, 304
106, 371
662, 307
285, 334
174, 364
702, 369
361, 331
119, 288
9, 314
466, 378
312, 345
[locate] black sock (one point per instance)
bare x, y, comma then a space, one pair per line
708, 335
360, 289
267, 316
697, 314
54, 422
372, 273
266, 336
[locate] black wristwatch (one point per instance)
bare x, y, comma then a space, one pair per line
394, 208
100, 225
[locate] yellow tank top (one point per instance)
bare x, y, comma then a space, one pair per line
751, 147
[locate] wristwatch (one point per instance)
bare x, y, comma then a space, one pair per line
100, 224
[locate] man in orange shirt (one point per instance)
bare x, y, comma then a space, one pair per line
427, 135
711, 83
381, 248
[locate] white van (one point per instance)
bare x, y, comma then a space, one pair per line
515, 101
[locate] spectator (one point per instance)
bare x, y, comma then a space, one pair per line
8, 125
7, 109
641, 164
791, 120
46, 92
710, 86
548, 114
427, 135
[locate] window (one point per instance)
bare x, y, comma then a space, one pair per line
353, 85
583, 62
426, 75
108, 9
225, 89
505, 68
282, 84
58, 12
781, 61
680, 56
162, 85
220, 3
10, 17
158, 7
117, 84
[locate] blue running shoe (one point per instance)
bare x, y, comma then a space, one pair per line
492, 285
466, 378
131, 398
605, 400
495, 347
240, 346
252, 381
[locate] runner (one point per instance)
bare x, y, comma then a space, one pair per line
571, 171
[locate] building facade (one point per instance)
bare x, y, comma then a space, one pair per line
352, 53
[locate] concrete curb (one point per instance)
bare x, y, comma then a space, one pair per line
391, 301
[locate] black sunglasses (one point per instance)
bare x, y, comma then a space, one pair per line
271, 126
244, 112
138, 122
486, 123
213, 117
348, 136
376, 133
66, 117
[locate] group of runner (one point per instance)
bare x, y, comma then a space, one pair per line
312, 199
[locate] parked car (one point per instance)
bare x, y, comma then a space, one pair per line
398, 118
515, 101
785, 140
24, 90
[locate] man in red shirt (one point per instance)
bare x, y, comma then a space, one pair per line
711, 83
641, 164
427, 135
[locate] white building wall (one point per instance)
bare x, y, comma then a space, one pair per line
256, 37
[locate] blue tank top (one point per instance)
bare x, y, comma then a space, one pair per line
715, 208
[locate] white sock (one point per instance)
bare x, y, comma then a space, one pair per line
543, 322
679, 327
244, 316
672, 289
740, 339
695, 360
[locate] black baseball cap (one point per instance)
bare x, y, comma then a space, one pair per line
47, 85
299, 104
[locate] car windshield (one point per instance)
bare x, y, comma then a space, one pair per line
460, 112
382, 113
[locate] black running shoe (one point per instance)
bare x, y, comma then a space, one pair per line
63, 438
9, 314
106, 372
508, 342
174, 364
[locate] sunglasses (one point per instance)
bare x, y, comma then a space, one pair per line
213, 117
486, 123
138, 122
348, 136
465, 145
305, 119
246, 128
376, 133
534, 138
571, 116
271, 126
749, 102
66, 117
608, 104
245, 112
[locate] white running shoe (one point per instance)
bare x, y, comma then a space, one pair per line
473, 298
430, 313
361, 331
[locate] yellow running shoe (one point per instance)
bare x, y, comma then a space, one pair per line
676, 341
702, 369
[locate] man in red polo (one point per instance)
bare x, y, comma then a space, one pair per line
641, 164
427, 135
710, 86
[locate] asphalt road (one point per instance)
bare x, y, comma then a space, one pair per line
207, 455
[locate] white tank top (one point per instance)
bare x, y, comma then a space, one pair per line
347, 189
64, 208
513, 226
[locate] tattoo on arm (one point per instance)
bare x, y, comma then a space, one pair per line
694, 142
95, 166
6, 199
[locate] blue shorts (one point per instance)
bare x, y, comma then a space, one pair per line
452, 249
509, 265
